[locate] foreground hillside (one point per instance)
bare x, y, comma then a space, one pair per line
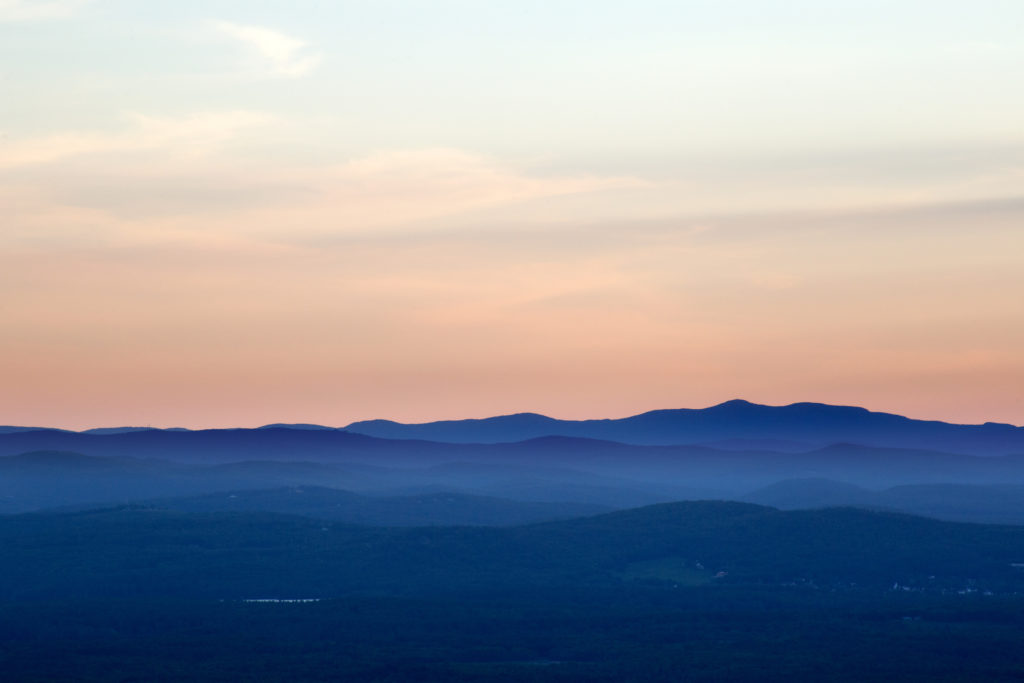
567, 635
693, 591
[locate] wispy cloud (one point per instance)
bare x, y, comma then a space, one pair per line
284, 55
195, 134
155, 171
35, 10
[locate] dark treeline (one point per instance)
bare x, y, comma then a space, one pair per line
634, 633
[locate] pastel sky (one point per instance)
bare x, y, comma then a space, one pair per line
228, 213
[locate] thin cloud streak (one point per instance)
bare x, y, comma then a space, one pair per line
196, 134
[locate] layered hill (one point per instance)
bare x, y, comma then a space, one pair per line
554, 469
428, 509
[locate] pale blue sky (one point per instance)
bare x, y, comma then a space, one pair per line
560, 79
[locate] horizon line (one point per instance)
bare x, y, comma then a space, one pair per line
300, 425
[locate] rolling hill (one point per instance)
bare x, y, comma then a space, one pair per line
132, 553
991, 504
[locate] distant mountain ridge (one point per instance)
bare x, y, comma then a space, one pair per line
814, 424
733, 425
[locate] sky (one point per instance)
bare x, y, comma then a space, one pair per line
228, 213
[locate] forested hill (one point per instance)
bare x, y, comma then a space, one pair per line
131, 553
